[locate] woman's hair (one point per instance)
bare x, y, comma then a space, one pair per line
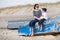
44, 9
35, 6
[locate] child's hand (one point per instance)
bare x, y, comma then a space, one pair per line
38, 18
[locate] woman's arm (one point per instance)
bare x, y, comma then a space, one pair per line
37, 18
34, 15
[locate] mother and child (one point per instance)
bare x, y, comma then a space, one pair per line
39, 16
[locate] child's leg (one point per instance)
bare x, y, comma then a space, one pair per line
31, 31
40, 25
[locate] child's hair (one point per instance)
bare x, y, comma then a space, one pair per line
44, 9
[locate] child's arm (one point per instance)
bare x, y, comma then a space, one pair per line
44, 16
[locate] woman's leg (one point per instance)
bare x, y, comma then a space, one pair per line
31, 31
32, 25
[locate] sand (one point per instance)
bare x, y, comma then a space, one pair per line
6, 34
18, 12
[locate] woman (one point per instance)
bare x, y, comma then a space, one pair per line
37, 14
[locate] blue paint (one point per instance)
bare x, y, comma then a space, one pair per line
46, 27
26, 29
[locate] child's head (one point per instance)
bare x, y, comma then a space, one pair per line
44, 9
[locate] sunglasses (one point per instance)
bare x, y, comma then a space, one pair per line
37, 6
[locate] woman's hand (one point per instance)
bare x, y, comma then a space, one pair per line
37, 18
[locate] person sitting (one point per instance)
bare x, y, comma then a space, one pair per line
36, 14
44, 17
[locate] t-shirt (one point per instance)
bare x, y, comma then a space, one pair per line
38, 14
44, 15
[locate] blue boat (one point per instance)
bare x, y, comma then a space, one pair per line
51, 25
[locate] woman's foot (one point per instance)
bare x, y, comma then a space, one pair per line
31, 31
31, 35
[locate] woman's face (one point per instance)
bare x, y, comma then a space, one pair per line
37, 7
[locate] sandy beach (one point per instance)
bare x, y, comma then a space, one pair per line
18, 12
6, 34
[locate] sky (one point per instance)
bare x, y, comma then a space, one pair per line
8, 3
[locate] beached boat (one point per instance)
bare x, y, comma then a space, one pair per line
50, 26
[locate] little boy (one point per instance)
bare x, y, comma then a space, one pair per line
43, 17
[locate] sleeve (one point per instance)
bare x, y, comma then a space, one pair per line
46, 16
43, 16
34, 13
